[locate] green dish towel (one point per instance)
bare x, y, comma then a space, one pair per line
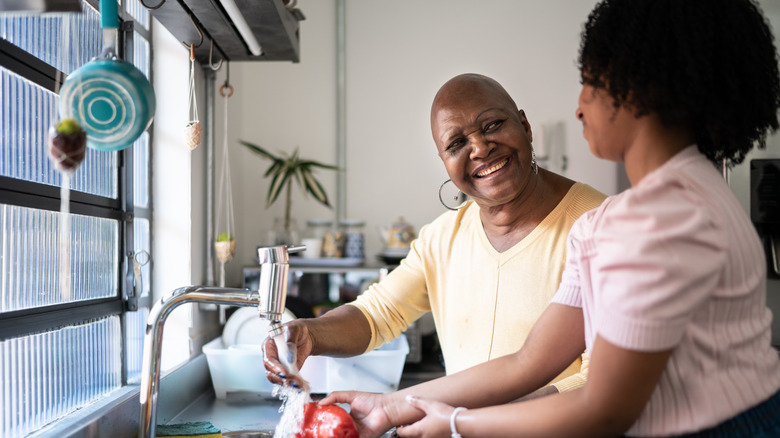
194, 429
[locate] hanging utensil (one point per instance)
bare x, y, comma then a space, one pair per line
225, 246
110, 98
192, 130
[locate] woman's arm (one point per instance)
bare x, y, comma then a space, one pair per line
619, 386
556, 340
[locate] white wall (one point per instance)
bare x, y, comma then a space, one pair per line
398, 53
178, 191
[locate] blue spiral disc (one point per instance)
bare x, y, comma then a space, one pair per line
112, 101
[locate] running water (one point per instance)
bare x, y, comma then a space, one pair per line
293, 402
64, 237
293, 399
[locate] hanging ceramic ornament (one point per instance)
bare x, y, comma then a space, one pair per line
67, 145
192, 130
225, 245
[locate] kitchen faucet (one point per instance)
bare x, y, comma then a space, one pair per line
270, 300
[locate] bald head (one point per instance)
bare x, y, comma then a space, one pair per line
464, 94
462, 87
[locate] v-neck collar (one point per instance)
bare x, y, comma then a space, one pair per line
502, 257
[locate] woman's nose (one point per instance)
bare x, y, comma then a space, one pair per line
481, 147
578, 113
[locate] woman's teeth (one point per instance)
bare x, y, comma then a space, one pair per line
492, 169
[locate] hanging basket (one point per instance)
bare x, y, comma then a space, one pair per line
225, 250
192, 134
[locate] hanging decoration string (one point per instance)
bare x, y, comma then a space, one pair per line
225, 245
192, 131
67, 145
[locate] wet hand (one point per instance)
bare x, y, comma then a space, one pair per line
366, 409
299, 346
436, 422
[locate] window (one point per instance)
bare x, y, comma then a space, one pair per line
61, 350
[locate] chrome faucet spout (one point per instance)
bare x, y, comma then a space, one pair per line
269, 298
150, 374
274, 269
275, 329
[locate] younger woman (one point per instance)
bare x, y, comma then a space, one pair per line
665, 283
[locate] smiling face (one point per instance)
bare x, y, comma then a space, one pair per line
483, 139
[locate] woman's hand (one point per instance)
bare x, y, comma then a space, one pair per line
368, 410
298, 342
436, 422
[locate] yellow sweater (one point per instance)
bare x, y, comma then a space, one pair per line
484, 303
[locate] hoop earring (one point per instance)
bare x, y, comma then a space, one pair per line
459, 197
534, 165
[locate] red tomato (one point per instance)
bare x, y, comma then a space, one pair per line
330, 421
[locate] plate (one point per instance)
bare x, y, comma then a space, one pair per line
327, 261
246, 327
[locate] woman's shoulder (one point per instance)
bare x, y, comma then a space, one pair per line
450, 222
582, 198
656, 207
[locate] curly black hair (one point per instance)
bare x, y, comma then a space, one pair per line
710, 65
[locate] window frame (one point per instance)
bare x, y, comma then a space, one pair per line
41, 196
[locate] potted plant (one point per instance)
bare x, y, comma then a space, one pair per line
285, 169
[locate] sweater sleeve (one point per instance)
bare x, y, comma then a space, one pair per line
659, 256
396, 302
575, 380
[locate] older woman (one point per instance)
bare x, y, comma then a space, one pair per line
486, 271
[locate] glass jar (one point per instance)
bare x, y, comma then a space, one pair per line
354, 238
313, 237
333, 243
281, 235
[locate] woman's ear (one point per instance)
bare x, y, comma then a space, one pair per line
526, 125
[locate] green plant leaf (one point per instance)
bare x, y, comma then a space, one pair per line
299, 177
277, 185
286, 167
263, 153
314, 187
309, 163
274, 168
224, 237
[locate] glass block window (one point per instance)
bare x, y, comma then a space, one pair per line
68, 334
138, 12
141, 54
135, 326
51, 374
27, 110
30, 258
42, 36
141, 166
143, 247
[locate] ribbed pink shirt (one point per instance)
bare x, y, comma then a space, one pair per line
675, 263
